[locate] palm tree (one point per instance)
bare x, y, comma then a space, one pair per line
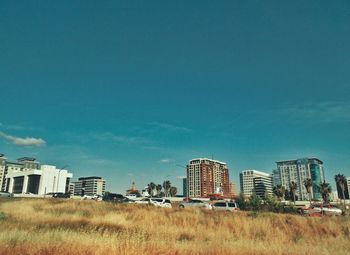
159, 189
151, 188
293, 188
325, 191
341, 182
279, 191
308, 187
173, 191
166, 186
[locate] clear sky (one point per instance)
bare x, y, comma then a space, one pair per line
128, 90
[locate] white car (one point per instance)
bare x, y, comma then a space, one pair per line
225, 206
131, 196
331, 210
195, 203
161, 202
143, 201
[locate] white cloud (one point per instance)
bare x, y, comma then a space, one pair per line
170, 127
119, 138
165, 161
322, 112
27, 141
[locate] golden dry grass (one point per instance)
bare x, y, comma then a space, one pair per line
38, 226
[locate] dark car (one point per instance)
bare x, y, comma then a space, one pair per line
59, 195
113, 197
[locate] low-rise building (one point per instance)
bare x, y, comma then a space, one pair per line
28, 176
90, 186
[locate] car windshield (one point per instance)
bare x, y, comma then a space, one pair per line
220, 204
196, 201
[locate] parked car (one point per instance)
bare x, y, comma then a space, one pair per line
113, 197
330, 210
5, 194
143, 201
312, 210
161, 202
132, 196
195, 203
61, 195
225, 206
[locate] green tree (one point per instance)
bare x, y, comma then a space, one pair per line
173, 191
293, 189
308, 186
279, 191
255, 202
240, 200
151, 188
272, 204
340, 180
326, 189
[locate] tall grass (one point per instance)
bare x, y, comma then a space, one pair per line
87, 227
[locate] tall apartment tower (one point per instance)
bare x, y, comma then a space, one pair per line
298, 171
206, 177
255, 181
90, 186
346, 190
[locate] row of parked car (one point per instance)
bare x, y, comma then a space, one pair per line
194, 203
320, 210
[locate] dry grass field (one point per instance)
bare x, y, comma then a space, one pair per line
38, 226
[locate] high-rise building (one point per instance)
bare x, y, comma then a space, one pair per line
184, 187
90, 186
206, 177
346, 190
253, 181
233, 190
298, 171
276, 178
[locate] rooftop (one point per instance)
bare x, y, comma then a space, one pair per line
212, 160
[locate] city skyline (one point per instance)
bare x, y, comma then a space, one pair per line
133, 91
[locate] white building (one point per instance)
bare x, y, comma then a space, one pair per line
27, 176
255, 181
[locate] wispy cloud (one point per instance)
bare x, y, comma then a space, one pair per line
166, 161
27, 141
122, 139
170, 127
323, 112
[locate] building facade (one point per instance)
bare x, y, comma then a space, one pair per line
3, 172
298, 171
26, 175
346, 190
253, 181
90, 186
184, 187
206, 177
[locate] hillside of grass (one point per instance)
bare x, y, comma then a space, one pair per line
50, 226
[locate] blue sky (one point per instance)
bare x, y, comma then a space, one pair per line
128, 90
